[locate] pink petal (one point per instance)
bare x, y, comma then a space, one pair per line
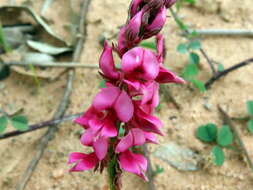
124, 107
132, 59
160, 47
106, 63
84, 119
150, 92
138, 137
141, 160
150, 137
109, 128
75, 156
87, 137
159, 21
125, 143
134, 26
100, 147
134, 7
127, 163
150, 65
166, 76
95, 124
133, 83
89, 161
105, 98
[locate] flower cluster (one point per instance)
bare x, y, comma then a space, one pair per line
131, 94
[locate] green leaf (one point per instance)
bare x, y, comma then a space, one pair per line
250, 107
148, 44
182, 48
250, 126
194, 58
225, 136
194, 45
190, 1
20, 122
3, 123
218, 156
3, 41
199, 85
102, 84
207, 133
190, 70
220, 67
4, 71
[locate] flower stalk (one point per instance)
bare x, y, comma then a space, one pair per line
129, 98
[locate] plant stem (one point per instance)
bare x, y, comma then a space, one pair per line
228, 121
223, 32
112, 172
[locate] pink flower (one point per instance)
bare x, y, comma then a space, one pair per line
169, 3
135, 7
106, 63
139, 64
83, 161
135, 137
157, 24
134, 163
160, 46
133, 27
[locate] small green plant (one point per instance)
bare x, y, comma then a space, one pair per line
220, 138
158, 170
250, 112
19, 122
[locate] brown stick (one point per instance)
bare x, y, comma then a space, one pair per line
226, 71
228, 121
49, 135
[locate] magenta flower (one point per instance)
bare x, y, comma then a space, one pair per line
134, 163
83, 161
106, 63
133, 28
169, 3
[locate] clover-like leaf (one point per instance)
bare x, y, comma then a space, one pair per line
182, 48
199, 85
250, 126
20, 122
194, 45
207, 133
190, 71
225, 136
3, 123
218, 156
250, 107
194, 58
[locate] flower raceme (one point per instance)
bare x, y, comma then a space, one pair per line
120, 117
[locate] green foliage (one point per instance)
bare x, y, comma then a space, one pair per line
250, 126
218, 155
194, 45
158, 170
3, 123
221, 138
102, 84
250, 107
194, 58
225, 136
190, 71
220, 67
19, 122
199, 85
148, 44
207, 133
182, 48
3, 42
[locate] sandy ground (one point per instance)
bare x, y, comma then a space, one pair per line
104, 16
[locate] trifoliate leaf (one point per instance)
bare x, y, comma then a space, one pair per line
225, 136
194, 45
199, 85
250, 126
20, 122
182, 48
207, 133
250, 107
218, 156
3, 123
190, 70
194, 58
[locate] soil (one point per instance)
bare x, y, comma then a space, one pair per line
231, 92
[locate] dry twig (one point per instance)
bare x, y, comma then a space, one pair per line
229, 122
49, 135
223, 73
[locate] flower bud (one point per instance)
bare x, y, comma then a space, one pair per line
169, 3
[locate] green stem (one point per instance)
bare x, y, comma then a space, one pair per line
112, 171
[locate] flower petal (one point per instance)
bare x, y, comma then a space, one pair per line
109, 128
124, 107
106, 98
138, 137
125, 143
127, 163
106, 63
159, 21
132, 59
89, 161
87, 137
150, 65
150, 137
75, 156
101, 146
166, 76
